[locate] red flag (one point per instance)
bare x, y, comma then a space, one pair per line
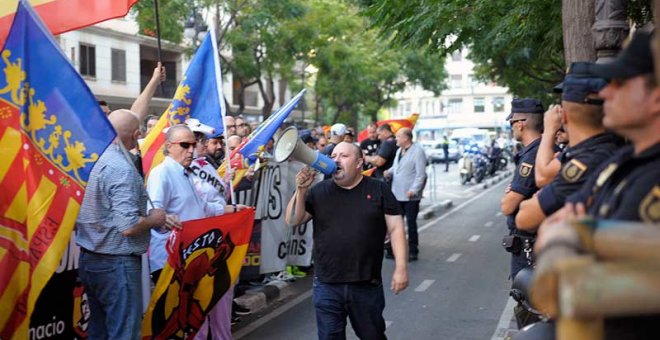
205, 259
66, 15
395, 124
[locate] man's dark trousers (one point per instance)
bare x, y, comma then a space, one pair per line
410, 211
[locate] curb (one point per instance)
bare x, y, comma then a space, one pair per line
430, 211
258, 298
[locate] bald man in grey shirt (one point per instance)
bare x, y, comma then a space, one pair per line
408, 174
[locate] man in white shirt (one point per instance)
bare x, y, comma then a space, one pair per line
171, 187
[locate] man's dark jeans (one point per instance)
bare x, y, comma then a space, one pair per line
363, 303
410, 211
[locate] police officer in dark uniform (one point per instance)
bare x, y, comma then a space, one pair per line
627, 186
526, 120
589, 144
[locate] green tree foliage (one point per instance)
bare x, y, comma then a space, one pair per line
355, 72
172, 14
516, 43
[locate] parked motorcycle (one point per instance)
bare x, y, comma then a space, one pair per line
497, 160
473, 164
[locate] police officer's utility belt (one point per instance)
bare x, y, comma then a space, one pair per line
515, 243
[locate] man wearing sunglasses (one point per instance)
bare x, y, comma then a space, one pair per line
171, 187
526, 121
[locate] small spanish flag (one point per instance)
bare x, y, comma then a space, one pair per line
395, 124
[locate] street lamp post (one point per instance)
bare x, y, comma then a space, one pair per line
195, 28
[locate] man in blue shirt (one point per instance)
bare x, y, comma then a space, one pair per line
526, 121
112, 231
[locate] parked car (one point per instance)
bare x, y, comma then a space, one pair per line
435, 154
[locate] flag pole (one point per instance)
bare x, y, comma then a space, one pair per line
160, 50
223, 109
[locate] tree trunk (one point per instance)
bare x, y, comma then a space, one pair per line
577, 19
268, 96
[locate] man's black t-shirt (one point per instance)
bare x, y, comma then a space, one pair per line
349, 229
369, 148
387, 150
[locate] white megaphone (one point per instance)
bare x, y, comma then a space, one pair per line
289, 145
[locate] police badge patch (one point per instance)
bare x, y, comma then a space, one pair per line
649, 208
573, 170
525, 169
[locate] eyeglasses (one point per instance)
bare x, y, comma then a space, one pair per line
231, 126
241, 125
186, 145
513, 121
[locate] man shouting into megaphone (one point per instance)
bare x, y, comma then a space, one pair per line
352, 213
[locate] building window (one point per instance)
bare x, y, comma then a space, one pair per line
472, 81
455, 105
87, 60
456, 81
479, 104
456, 56
118, 58
251, 98
498, 104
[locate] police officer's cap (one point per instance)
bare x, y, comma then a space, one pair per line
579, 69
634, 60
526, 105
580, 82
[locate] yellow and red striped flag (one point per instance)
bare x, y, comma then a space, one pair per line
61, 16
395, 124
52, 131
204, 260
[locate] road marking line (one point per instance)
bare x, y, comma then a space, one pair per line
424, 285
457, 208
489, 224
454, 257
388, 324
499, 213
505, 320
272, 315
474, 238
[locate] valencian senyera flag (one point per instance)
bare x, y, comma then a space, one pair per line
395, 124
197, 96
250, 151
204, 260
52, 131
61, 16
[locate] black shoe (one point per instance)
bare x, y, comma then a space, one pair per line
238, 310
412, 257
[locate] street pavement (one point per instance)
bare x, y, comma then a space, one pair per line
458, 288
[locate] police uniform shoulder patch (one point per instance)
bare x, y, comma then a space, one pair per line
525, 169
573, 170
649, 208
